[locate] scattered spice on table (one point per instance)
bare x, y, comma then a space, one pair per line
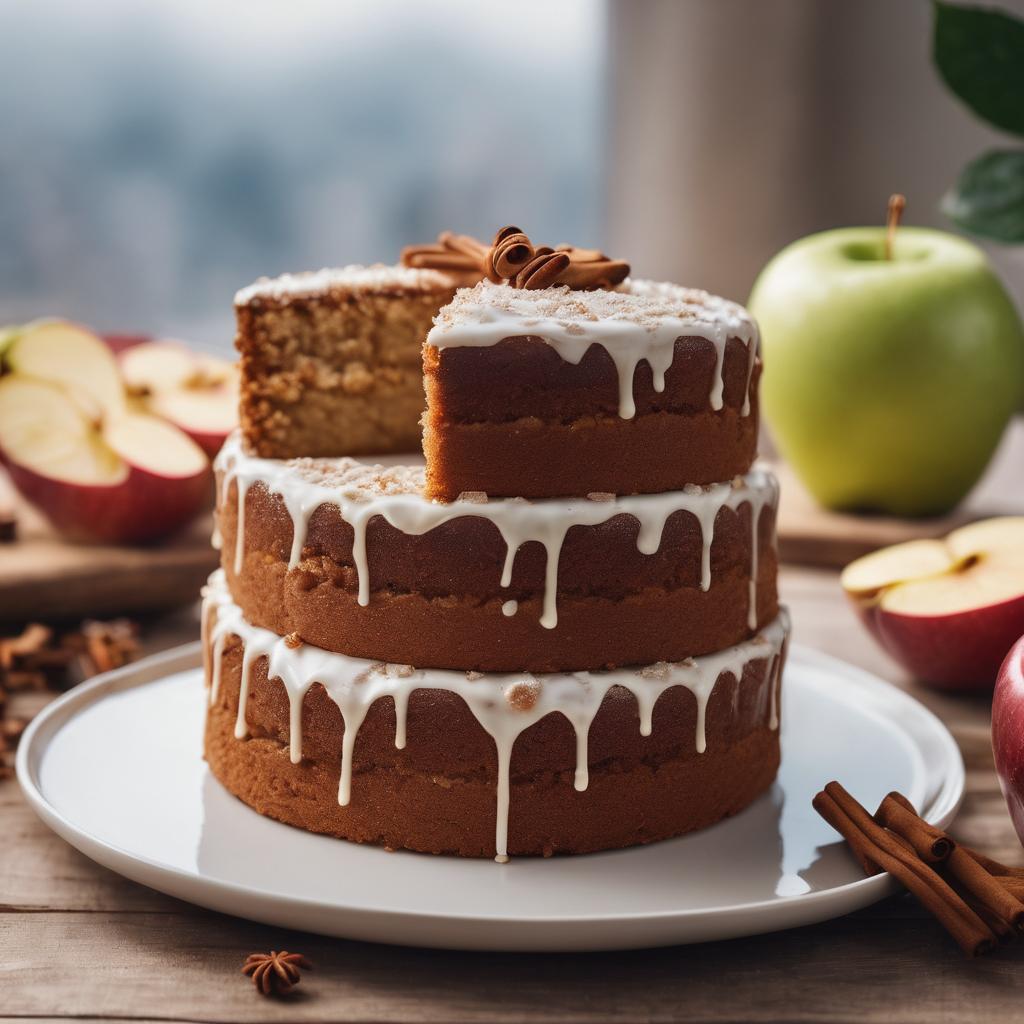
978, 900
43, 659
275, 973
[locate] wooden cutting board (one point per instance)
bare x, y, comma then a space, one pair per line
45, 577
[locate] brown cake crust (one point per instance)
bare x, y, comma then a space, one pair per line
330, 362
438, 794
436, 599
515, 419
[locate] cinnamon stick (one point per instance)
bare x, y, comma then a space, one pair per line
873, 845
1003, 931
992, 866
985, 889
1013, 885
897, 814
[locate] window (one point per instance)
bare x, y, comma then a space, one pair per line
156, 157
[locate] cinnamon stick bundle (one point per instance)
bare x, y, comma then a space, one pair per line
875, 849
979, 901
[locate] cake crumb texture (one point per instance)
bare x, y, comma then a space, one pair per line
330, 362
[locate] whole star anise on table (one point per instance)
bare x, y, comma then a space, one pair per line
275, 973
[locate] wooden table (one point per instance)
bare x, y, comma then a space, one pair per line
77, 941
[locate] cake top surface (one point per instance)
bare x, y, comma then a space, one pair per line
353, 279
641, 304
356, 480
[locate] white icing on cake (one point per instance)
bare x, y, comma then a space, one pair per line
352, 278
505, 704
360, 492
637, 322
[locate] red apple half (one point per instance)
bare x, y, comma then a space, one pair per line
1008, 733
94, 467
947, 610
197, 393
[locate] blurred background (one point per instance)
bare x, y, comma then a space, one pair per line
157, 157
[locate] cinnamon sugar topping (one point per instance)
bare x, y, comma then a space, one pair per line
641, 303
523, 696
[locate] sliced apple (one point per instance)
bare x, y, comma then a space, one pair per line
117, 343
67, 355
197, 393
7, 336
41, 427
130, 478
913, 560
213, 371
156, 366
947, 610
1001, 538
207, 415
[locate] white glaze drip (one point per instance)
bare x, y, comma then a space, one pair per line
495, 699
218, 654
640, 322
509, 608
519, 522
774, 673
401, 717
241, 726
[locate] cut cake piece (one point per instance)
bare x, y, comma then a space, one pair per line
552, 392
330, 360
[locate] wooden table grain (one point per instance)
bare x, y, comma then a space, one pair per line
77, 941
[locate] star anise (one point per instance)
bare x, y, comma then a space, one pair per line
275, 973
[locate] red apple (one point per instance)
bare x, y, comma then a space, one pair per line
197, 393
1008, 733
947, 610
72, 446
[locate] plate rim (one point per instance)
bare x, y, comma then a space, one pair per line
215, 893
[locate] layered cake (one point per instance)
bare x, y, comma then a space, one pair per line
557, 633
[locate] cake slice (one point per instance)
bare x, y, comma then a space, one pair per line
549, 392
330, 360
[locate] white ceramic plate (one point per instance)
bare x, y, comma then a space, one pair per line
115, 768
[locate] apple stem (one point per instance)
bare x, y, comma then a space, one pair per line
897, 204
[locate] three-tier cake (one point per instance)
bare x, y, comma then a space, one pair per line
559, 635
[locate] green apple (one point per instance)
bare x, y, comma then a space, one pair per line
888, 382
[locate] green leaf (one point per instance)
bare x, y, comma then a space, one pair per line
988, 199
979, 52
